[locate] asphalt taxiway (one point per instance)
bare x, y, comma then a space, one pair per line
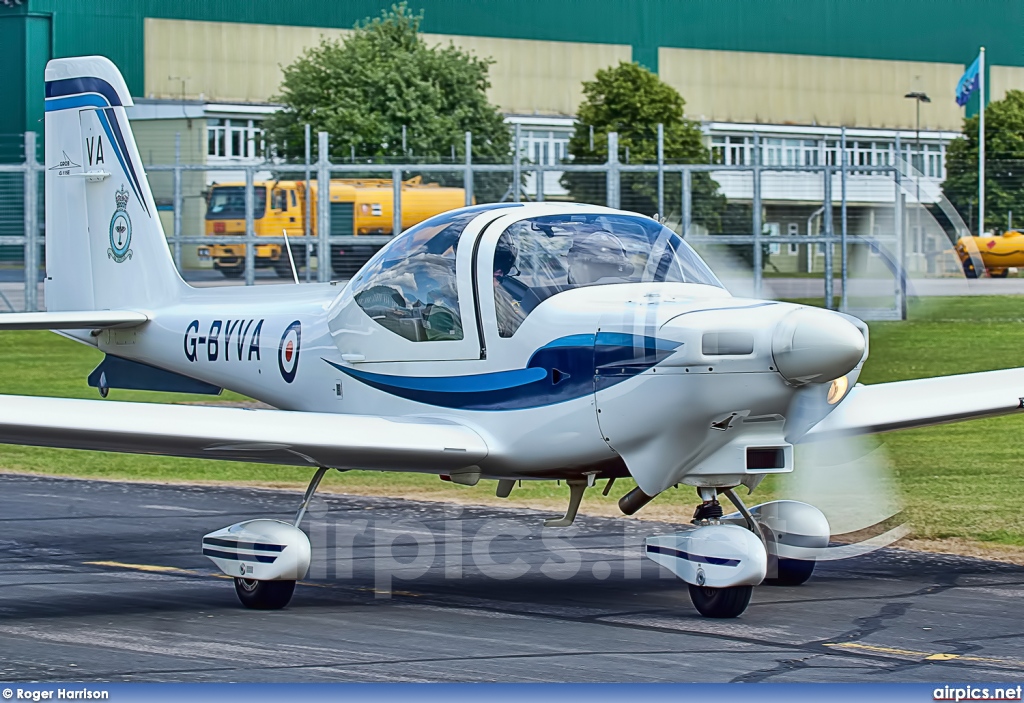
105, 582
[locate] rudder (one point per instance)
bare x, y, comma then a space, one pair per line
105, 246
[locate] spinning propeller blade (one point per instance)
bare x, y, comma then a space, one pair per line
851, 480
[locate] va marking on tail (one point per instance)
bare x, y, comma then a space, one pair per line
120, 229
94, 149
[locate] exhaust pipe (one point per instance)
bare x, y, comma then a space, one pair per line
633, 501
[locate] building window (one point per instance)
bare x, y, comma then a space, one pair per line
234, 139
545, 147
927, 159
771, 151
832, 153
773, 229
935, 161
730, 150
792, 230
810, 149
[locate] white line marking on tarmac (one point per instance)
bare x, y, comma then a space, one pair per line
178, 508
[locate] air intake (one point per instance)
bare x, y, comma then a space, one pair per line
727, 343
765, 458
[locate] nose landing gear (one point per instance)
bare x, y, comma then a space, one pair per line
721, 563
727, 555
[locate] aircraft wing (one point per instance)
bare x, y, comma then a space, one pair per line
927, 401
238, 434
71, 320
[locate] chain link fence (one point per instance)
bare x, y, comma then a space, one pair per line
850, 235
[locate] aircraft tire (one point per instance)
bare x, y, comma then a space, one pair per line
791, 572
720, 602
264, 595
283, 267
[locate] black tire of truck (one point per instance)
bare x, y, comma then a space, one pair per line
347, 260
283, 267
235, 271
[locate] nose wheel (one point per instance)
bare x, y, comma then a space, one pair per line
720, 602
791, 572
264, 595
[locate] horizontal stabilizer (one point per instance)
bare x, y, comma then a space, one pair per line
426, 444
71, 320
925, 401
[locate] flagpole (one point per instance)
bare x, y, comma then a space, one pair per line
981, 144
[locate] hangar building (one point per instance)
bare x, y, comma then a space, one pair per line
794, 71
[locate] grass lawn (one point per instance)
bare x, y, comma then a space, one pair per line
960, 482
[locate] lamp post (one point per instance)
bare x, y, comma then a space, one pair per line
918, 97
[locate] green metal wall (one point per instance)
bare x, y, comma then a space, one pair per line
24, 51
917, 30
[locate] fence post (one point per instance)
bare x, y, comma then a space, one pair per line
612, 176
516, 165
307, 223
250, 227
31, 248
396, 207
178, 200
758, 255
323, 206
828, 230
843, 261
687, 207
901, 281
661, 170
467, 175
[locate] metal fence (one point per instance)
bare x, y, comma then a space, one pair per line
751, 191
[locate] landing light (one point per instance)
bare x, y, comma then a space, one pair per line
837, 390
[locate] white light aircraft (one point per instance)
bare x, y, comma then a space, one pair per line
500, 342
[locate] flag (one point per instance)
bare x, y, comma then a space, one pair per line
968, 83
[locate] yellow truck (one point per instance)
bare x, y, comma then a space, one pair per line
359, 207
997, 255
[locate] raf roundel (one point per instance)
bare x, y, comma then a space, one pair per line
288, 351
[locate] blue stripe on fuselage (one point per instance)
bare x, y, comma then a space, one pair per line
563, 370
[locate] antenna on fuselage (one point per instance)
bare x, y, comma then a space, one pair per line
291, 259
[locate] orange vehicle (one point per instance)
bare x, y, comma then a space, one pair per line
997, 255
358, 207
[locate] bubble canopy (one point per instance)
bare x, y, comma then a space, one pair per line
411, 286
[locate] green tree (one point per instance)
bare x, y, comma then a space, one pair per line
1004, 164
363, 88
632, 101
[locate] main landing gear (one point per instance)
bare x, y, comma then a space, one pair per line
727, 555
264, 557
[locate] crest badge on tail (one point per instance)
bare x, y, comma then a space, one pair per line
120, 229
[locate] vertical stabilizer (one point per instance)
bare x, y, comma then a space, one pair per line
105, 247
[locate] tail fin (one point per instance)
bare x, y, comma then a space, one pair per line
105, 247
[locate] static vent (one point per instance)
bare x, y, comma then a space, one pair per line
727, 343
762, 458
